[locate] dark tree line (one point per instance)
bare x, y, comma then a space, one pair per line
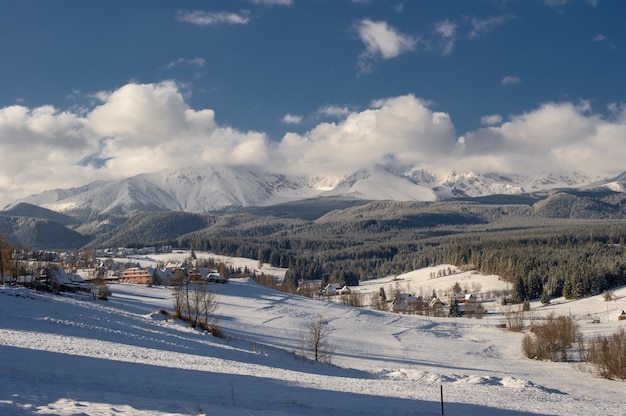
573, 259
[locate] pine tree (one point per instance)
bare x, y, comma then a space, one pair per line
519, 291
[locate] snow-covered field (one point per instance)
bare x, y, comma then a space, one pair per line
64, 356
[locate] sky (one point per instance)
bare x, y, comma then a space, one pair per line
109, 89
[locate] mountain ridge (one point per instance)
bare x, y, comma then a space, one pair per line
212, 188
157, 207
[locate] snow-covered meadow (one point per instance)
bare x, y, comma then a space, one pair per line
60, 355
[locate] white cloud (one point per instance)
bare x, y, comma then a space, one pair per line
137, 128
491, 120
484, 26
197, 62
381, 42
511, 80
447, 30
204, 18
272, 2
333, 111
292, 119
401, 126
148, 127
553, 137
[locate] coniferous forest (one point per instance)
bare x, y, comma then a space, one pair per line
568, 243
539, 255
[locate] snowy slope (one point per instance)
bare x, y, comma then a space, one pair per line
192, 190
379, 183
64, 356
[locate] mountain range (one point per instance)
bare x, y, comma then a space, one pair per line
102, 206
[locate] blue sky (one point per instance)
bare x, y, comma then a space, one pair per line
104, 89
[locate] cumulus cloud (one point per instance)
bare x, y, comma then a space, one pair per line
554, 137
149, 127
400, 126
135, 129
381, 42
204, 18
292, 119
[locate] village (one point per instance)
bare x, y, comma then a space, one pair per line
88, 275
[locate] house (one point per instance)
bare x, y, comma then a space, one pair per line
467, 304
437, 308
406, 302
331, 289
195, 275
216, 278
165, 276
27, 280
398, 305
345, 290
137, 275
59, 280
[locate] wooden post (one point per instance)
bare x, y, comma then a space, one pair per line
441, 391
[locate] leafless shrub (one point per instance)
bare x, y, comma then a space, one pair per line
552, 339
608, 295
514, 316
352, 299
608, 354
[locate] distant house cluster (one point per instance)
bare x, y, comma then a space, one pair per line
54, 280
408, 303
167, 275
333, 289
462, 304
131, 251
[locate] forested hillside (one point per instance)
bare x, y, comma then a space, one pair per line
540, 256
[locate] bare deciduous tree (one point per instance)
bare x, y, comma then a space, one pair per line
194, 302
316, 339
514, 315
204, 305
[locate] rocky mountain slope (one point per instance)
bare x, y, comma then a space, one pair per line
95, 212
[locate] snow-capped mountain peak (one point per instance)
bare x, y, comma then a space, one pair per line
209, 188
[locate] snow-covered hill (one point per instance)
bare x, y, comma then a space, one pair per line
210, 188
60, 355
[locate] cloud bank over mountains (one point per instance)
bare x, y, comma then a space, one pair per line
142, 128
